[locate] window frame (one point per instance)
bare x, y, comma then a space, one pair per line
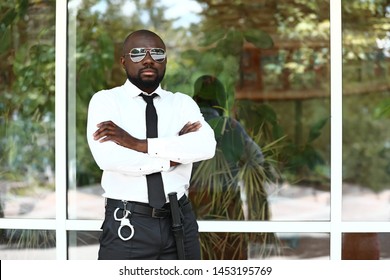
335, 226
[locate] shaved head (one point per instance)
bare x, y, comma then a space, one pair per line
138, 34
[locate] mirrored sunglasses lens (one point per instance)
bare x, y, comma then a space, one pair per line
158, 54
158, 57
137, 55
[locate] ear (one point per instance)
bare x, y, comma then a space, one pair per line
123, 61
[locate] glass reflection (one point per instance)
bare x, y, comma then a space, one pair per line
366, 92
304, 203
26, 244
274, 70
279, 246
83, 245
299, 246
274, 83
27, 109
366, 246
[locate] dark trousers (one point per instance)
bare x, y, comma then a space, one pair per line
153, 237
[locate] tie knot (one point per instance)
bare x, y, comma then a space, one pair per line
148, 98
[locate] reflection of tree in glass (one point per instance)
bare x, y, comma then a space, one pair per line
231, 186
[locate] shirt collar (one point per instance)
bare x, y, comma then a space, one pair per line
134, 91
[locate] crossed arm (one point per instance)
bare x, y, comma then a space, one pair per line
109, 131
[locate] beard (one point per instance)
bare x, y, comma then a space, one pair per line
145, 84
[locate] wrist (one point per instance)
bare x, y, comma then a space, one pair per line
142, 146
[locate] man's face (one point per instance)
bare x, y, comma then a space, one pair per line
148, 73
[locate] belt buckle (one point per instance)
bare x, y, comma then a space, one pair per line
159, 213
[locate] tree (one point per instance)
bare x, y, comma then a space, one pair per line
27, 89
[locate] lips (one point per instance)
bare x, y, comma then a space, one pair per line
148, 71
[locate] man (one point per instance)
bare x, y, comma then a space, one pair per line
117, 135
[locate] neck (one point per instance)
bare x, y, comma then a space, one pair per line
149, 90
144, 87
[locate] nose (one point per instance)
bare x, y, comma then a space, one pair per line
148, 58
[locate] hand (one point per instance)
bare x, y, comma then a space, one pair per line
187, 128
190, 127
109, 131
173, 163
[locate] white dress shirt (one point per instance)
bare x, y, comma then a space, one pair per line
124, 169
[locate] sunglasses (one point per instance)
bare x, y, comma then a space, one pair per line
138, 54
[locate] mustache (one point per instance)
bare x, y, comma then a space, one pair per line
148, 67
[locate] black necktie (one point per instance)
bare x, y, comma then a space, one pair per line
155, 184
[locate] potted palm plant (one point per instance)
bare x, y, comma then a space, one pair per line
232, 185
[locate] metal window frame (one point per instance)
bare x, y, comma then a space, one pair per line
335, 227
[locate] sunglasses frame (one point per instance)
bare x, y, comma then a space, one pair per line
147, 50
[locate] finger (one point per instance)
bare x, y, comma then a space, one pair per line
193, 127
100, 133
104, 139
186, 129
197, 125
106, 123
103, 132
182, 131
190, 127
109, 138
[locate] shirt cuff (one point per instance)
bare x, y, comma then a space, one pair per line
154, 148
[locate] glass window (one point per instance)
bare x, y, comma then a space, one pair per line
27, 109
262, 68
264, 72
366, 99
366, 246
299, 246
83, 245
254, 246
27, 244
272, 61
274, 93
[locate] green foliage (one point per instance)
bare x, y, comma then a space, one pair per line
298, 161
258, 38
259, 117
219, 46
216, 194
27, 94
365, 83
303, 20
382, 110
306, 155
366, 138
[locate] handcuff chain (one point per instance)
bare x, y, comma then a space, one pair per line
125, 211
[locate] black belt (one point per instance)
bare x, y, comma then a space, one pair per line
145, 209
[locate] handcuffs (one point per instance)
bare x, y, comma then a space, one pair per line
125, 222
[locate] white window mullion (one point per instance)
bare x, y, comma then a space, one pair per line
336, 128
335, 227
60, 128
